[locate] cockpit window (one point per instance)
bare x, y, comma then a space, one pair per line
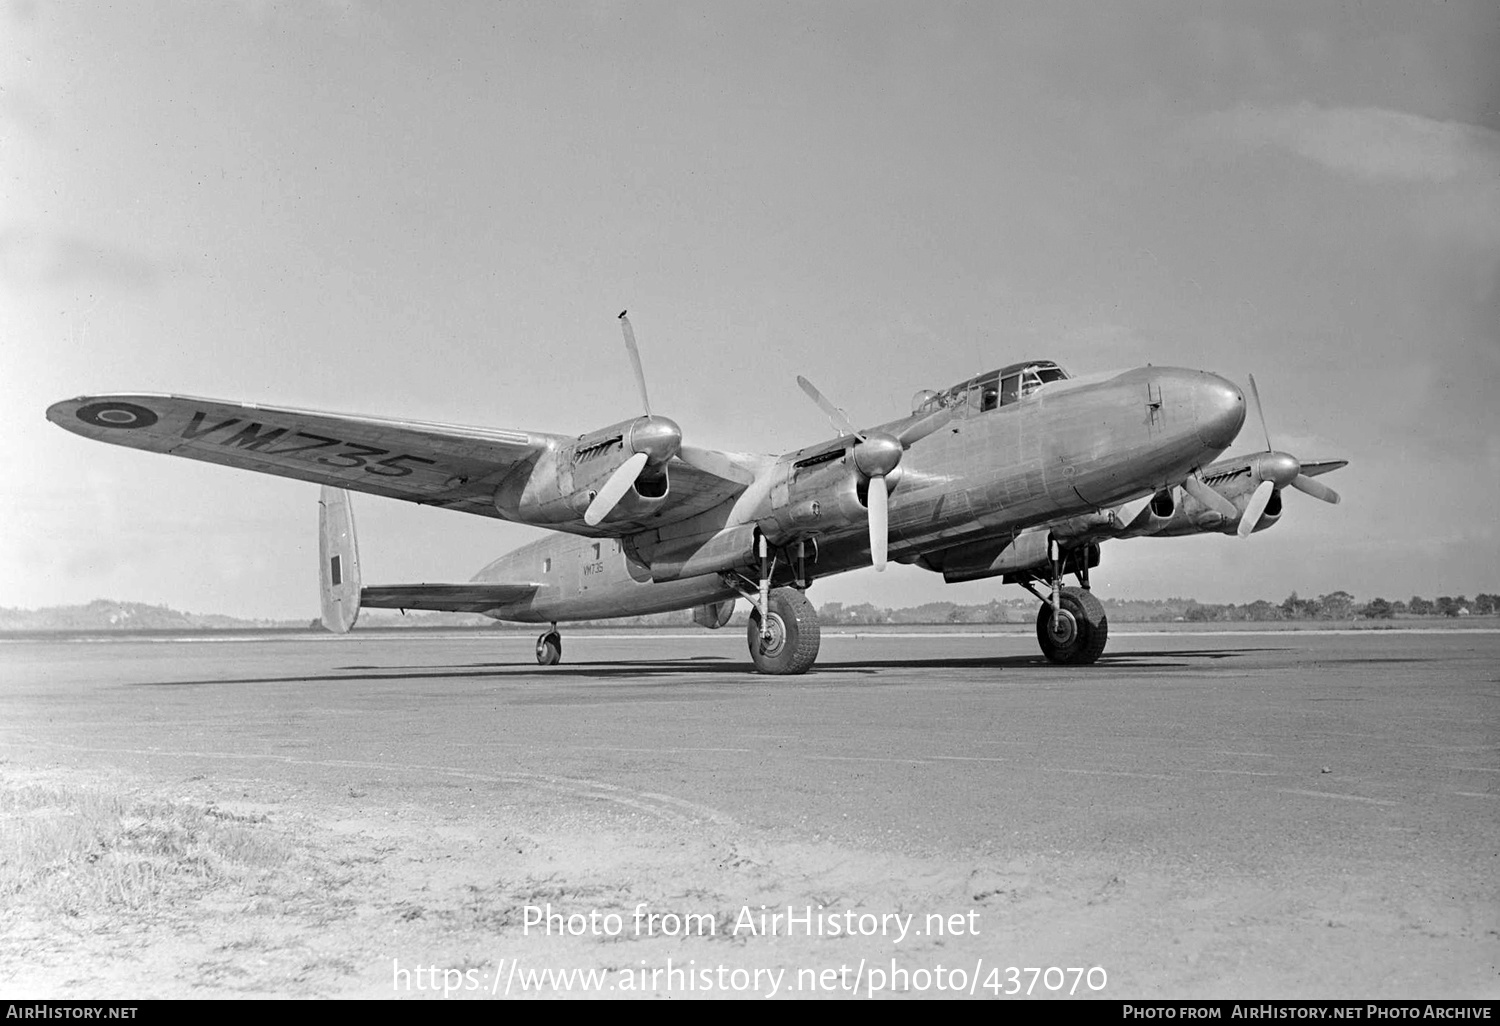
1034, 377
1010, 389
991, 391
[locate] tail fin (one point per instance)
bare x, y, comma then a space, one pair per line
338, 561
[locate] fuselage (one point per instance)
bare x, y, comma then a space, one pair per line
995, 468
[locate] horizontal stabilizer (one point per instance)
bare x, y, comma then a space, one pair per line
453, 598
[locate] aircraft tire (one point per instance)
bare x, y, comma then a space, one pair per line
549, 649
795, 635
1089, 629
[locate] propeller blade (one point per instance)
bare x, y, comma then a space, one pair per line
614, 489
1195, 487
1317, 489
715, 463
840, 421
635, 360
1255, 394
918, 430
1125, 515
878, 522
1255, 508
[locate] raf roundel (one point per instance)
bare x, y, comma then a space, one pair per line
116, 415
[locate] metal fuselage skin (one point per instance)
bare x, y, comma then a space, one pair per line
1071, 448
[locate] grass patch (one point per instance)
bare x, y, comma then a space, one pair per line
73, 850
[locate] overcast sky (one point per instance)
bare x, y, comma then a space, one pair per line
435, 212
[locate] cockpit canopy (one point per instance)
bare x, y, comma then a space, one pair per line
992, 390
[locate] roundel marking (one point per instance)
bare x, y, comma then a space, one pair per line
116, 415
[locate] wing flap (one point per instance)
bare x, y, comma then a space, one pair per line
453, 598
438, 464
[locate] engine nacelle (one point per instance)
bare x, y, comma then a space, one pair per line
821, 494
1155, 516
1193, 517
559, 485
714, 615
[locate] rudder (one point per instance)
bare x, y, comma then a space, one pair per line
338, 561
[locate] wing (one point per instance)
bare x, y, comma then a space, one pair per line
456, 598
432, 464
437, 464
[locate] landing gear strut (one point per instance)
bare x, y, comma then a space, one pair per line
783, 633
549, 647
1071, 626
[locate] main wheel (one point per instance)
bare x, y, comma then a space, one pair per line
793, 636
1082, 629
549, 649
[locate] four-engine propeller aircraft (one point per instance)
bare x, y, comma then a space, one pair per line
1017, 473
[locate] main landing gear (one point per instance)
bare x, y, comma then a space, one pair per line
1071, 626
783, 634
786, 638
1075, 634
549, 648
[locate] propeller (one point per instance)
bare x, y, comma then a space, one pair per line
1198, 489
1277, 470
614, 489
876, 455
1317, 489
1126, 515
1253, 510
654, 439
635, 360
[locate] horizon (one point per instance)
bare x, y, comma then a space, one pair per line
1019, 600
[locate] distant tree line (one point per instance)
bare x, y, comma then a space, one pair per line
1336, 605
1340, 605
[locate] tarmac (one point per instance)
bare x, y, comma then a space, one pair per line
1230, 815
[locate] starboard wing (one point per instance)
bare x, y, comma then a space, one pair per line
433, 464
437, 464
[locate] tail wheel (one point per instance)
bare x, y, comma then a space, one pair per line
1079, 636
549, 649
790, 642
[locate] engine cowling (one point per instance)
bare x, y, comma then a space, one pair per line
562, 482
821, 494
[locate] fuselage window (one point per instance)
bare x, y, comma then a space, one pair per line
547, 565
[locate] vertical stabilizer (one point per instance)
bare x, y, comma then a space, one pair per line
338, 561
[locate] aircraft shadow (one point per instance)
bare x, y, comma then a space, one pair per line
1165, 659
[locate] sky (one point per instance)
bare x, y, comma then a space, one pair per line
436, 211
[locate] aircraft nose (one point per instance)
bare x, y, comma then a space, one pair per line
1220, 408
